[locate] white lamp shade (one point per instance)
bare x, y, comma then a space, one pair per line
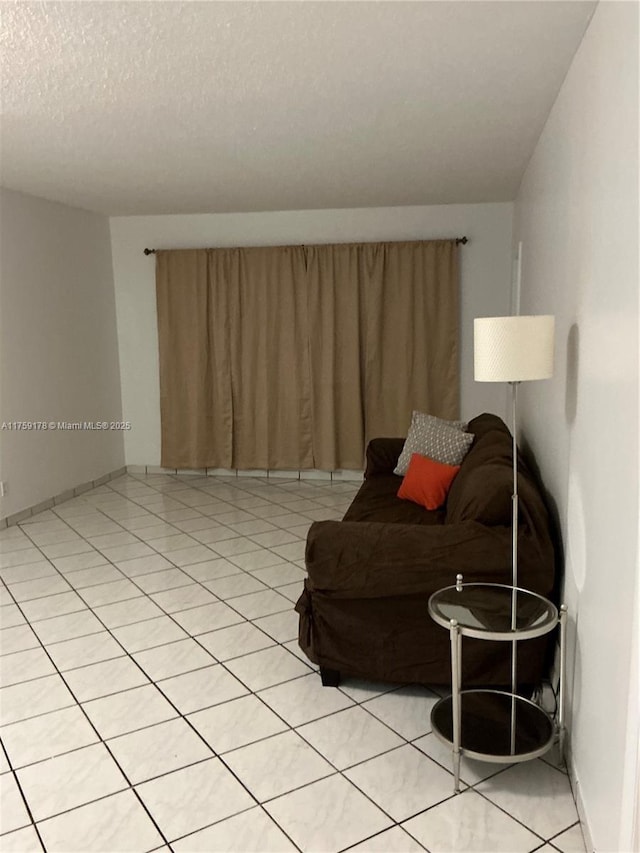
513, 349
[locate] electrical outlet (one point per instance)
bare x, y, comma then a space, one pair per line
3, 488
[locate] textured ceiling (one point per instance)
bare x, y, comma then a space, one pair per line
173, 107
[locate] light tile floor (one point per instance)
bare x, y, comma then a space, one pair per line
154, 697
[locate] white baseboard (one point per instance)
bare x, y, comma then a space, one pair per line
577, 796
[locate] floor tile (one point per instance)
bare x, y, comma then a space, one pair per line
297, 763
172, 542
267, 668
253, 527
258, 604
281, 626
48, 735
252, 831
17, 639
110, 540
293, 551
535, 794
20, 558
31, 698
305, 699
18, 542
23, 666
102, 679
234, 547
471, 771
199, 620
188, 556
40, 569
93, 576
394, 840
227, 643
288, 520
407, 710
211, 569
66, 549
194, 797
403, 782
234, 585
127, 612
149, 634
201, 688
570, 841
214, 534
173, 659
10, 616
67, 627
21, 841
360, 690
110, 593
81, 562
120, 553
117, 823
236, 723
276, 536
183, 598
26, 590
159, 749
128, 711
260, 558
13, 812
84, 650
52, 605
281, 574
349, 736
327, 815
143, 565
292, 591
70, 780
166, 579
468, 822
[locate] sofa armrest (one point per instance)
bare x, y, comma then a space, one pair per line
382, 455
375, 560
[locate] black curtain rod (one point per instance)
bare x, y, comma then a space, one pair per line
459, 241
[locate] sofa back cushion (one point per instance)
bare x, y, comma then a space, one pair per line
484, 485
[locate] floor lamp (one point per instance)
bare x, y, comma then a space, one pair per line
513, 349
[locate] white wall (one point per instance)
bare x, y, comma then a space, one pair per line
59, 354
577, 216
485, 282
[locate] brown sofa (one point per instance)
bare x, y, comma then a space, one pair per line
363, 611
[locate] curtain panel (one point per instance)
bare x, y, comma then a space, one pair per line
294, 357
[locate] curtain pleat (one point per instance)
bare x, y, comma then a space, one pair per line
294, 357
335, 348
269, 358
412, 319
196, 408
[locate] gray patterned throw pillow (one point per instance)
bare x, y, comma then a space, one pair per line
444, 441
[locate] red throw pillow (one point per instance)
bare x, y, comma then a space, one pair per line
427, 482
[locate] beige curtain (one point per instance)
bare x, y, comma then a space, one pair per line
234, 370
294, 357
385, 320
269, 356
196, 402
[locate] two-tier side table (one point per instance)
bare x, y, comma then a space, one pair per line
491, 724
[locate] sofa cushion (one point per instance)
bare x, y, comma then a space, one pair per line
484, 485
377, 500
444, 441
427, 482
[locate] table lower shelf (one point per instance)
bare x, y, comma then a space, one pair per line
486, 726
